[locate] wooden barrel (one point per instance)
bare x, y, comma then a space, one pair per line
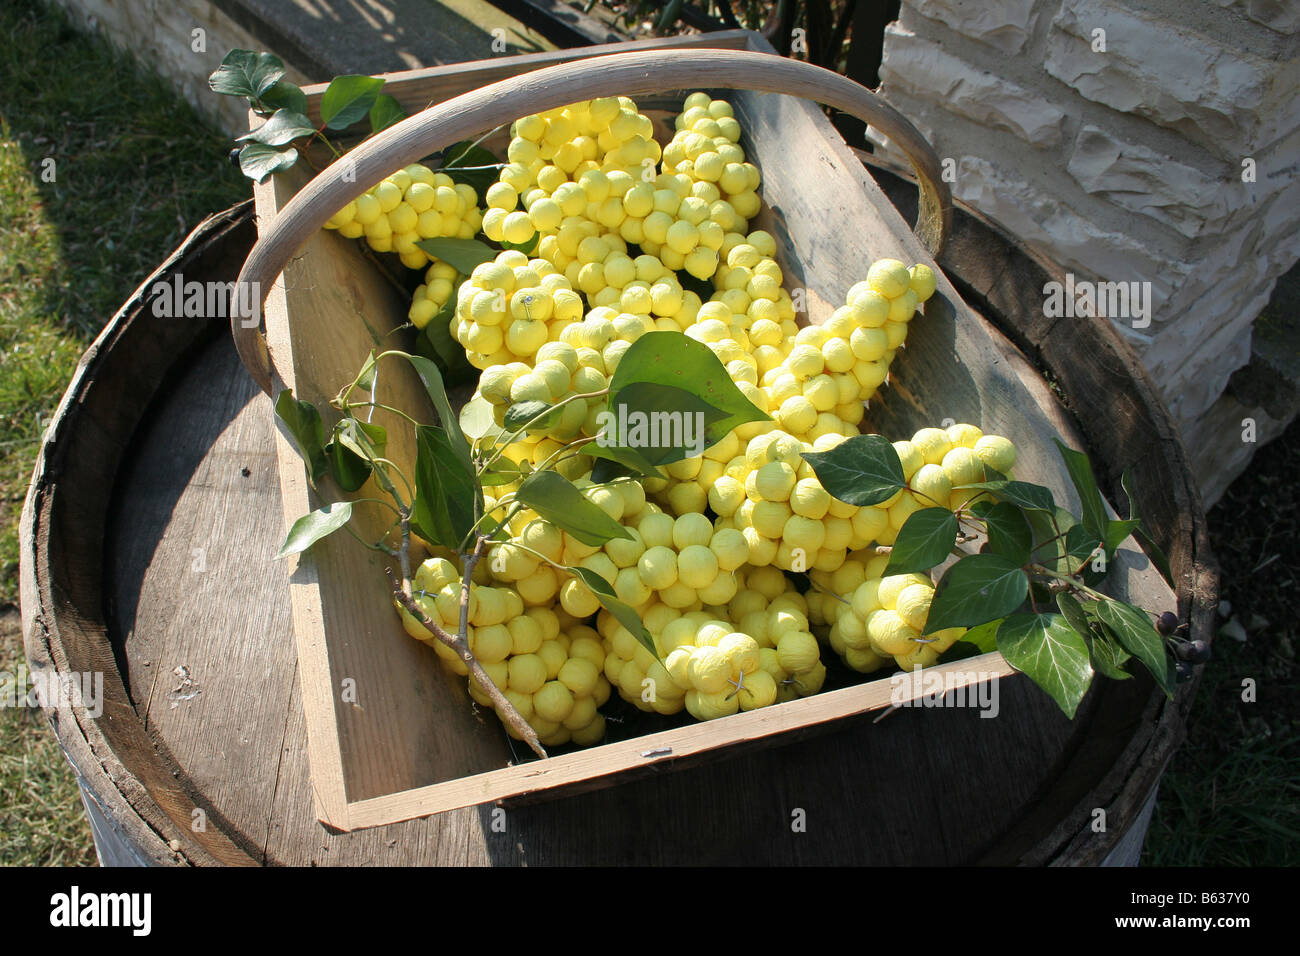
147, 540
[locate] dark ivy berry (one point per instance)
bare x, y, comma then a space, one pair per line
1167, 623
1185, 671
1198, 652
233, 156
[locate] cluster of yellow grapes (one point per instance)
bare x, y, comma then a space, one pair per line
586, 184
814, 383
715, 660
432, 295
413, 203
874, 617
547, 664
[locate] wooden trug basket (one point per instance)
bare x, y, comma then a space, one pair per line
391, 734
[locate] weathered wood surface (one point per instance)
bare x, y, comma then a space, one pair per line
937, 786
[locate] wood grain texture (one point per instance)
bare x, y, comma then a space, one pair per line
370, 690
922, 786
937, 785
62, 539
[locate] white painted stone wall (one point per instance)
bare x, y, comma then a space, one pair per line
161, 34
1120, 156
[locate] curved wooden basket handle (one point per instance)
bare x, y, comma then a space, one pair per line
616, 74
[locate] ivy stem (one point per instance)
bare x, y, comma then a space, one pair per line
558, 567
405, 481
382, 407
516, 507
320, 134
391, 552
577, 442
1039, 569
507, 438
828, 591
465, 151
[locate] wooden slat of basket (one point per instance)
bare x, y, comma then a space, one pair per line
419, 89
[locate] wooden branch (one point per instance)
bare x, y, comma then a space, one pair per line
459, 644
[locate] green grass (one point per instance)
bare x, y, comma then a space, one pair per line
134, 170
1231, 795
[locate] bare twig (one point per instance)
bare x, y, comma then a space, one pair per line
405, 551
459, 644
467, 571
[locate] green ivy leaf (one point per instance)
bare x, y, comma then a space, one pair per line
465, 163
347, 468
1048, 651
287, 95
1117, 533
1154, 550
659, 418
522, 413
348, 99
245, 73
464, 254
975, 590
347, 453
926, 539
984, 637
385, 112
1073, 613
863, 470
369, 371
1080, 545
675, 360
258, 161
1050, 548
362, 438
304, 424
1108, 658
281, 129
445, 490
621, 461
558, 500
1021, 493
1085, 483
431, 378
1137, 635
503, 471
604, 470
477, 420
525, 247
622, 612
1008, 530
310, 528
